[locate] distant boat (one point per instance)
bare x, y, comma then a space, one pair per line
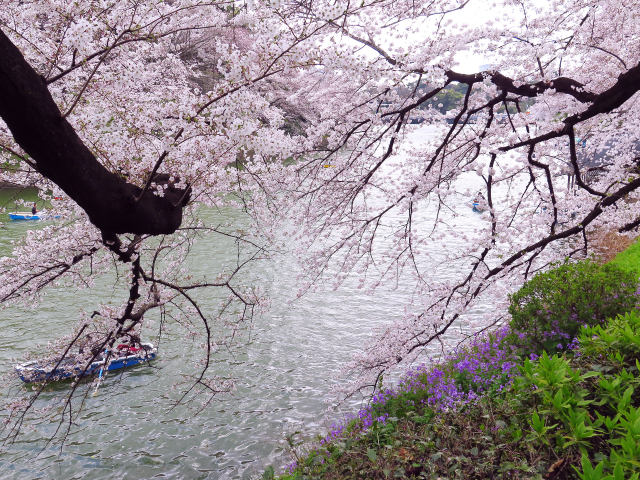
30, 216
477, 207
479, 203
37, 371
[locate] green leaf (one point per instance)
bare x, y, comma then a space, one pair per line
588, 472
590, 374
517, 434
536, 423
558, 400
626, 399
372, 454
269, 473
618, 472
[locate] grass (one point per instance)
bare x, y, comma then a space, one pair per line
629, 259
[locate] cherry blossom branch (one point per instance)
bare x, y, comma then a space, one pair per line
48, 274
38, 127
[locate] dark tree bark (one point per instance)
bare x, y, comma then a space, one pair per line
112, 204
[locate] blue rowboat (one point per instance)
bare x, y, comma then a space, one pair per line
36, 371
29, 216
476, 207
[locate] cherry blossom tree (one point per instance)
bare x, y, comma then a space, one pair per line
550, 131
129, 114
303, 113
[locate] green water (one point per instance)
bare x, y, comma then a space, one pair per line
282, 368
11, 199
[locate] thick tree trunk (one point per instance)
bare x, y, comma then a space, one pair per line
38, 127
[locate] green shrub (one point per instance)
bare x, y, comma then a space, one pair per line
588, 408
549, 309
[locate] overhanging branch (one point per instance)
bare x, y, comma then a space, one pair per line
38, 127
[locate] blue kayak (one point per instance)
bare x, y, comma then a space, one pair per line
38, 372
476, 207
30, 216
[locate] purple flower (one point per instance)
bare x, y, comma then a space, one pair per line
484, 365
382, 419
574, 345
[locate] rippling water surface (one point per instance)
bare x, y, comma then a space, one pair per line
129, 429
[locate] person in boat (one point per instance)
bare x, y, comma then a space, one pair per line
88, 347
34, 210
479, 203
128, 345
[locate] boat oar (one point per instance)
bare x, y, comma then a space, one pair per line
95, 392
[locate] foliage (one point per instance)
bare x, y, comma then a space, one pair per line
593, 408
562, 417
550, 308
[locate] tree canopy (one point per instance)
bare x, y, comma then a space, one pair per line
130, 113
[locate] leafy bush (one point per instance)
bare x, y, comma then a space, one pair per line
549, 309
590, 408
569, 416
